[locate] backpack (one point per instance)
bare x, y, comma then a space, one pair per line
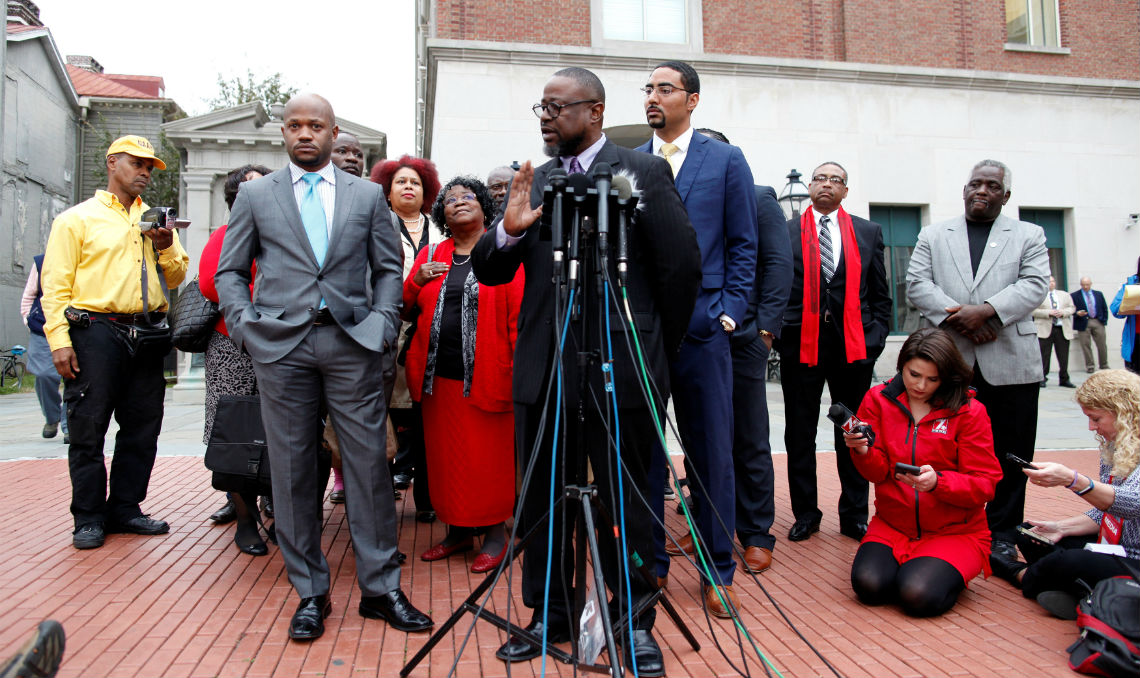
1109, 621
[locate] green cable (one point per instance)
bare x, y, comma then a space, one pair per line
697, 547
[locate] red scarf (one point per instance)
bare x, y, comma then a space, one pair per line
854, 343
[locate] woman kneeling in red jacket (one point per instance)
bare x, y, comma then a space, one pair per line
929, 535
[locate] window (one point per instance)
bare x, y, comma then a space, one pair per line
1032, 22
900, 233
668, 22
1053, 223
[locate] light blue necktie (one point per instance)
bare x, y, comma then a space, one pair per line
314, 220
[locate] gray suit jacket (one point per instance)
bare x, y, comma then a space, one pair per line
360, 279
1013, 278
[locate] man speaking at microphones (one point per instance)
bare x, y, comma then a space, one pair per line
663, 279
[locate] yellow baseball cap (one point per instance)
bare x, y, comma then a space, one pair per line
136, 146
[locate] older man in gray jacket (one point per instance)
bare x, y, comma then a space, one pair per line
980, 276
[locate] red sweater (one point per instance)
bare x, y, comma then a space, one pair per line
495, 333
960, 447
208, 267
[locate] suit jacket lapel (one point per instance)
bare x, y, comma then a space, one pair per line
286, 201
1000, 234
691, 167
959, 242
608, 154
345, 193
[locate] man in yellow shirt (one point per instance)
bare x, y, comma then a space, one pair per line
97, 315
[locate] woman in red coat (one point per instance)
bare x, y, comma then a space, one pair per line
929, 535
459, 369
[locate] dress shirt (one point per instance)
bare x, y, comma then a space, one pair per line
682, 143
326, 190
836, 236
94, 260
505, 241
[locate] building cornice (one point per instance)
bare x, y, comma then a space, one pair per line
559, 56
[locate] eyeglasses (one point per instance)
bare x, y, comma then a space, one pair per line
466, 197
664, 89
837, 181
554, 110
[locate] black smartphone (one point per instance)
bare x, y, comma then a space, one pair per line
1020, 462
907, 468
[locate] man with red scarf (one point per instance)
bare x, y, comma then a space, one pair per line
835, 327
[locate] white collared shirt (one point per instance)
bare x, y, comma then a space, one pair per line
682, 143
326, 189
836, 236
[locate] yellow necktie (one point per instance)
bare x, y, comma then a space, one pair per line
668, 150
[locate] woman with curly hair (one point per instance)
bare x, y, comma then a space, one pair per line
459, 369
411, 185
1059, 567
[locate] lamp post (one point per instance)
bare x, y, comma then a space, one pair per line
793, 195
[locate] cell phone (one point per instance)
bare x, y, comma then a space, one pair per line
846, 420
1028, 532
907, 468
1020, 462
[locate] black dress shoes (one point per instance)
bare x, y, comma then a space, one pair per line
395, 608
89, 536
1068, 384
803, 528
646, 654
226, 514
401, 481
854, 530
309, 620
140, 525
518, 649
1004, 562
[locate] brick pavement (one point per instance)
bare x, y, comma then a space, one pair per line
189, 604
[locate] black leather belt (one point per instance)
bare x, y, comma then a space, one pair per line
324, 317
130, 318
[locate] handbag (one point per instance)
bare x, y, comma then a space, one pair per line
1130, 303
192, 319
237, 449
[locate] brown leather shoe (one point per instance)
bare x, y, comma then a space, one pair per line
757, 559
716, 608
663, 582
686, 543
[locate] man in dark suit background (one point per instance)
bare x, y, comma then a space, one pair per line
317, 327
835, 327
1089, 323
715, 183
664, 275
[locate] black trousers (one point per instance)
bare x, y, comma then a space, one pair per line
1013, 418
803, 390
1056, 341
112, 379
409, 426
751, 449
637, 436
1058, 568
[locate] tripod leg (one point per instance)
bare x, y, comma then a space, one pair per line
600, 587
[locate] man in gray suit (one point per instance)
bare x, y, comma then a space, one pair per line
980, 276
317, 326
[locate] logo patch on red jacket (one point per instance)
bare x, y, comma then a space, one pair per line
939, 426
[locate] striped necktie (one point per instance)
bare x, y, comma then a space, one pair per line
826, 256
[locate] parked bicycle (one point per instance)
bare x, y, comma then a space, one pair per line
11, 368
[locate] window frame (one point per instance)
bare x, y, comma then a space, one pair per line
694, 29
1032, 29
896, 278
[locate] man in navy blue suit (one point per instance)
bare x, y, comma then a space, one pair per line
716, 186
1089, 322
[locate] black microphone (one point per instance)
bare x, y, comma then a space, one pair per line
846, 420
624, 194
558, 181
579, 185
603, 176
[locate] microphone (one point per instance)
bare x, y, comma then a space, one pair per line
579, 184
558, 180
624, 193
844, 419
603, 176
